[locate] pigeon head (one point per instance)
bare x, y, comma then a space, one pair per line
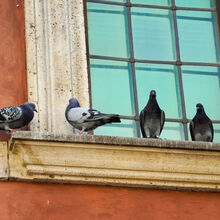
199, 107
30, 105
152, 94
74, 103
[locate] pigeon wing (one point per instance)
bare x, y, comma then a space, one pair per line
191, 128
162, 120
78, 115
9, 114
97, 115
142, 124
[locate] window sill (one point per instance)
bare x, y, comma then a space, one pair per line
116, 161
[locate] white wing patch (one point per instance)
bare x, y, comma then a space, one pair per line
78, 115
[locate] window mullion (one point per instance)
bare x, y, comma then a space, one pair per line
179, 70
131, 49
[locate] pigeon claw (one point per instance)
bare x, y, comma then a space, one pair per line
13, 130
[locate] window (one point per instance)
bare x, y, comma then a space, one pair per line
171, 46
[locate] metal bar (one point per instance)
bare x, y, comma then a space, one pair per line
134, 85
155, 61
195, 9
177, 120
216, 121
179, 71
200, 64
106, 2
151, 6
108, 58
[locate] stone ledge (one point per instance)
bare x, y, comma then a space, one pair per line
131, 162
121, 141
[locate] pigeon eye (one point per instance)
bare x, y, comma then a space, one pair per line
84, 114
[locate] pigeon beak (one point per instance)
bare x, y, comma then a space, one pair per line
35, 110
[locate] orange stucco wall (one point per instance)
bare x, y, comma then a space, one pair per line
63, 202
13, 83
56, 202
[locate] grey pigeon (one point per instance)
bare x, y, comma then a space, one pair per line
85, 119
13, 118
201, 128
152, 118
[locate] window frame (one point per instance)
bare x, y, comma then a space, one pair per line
131, 60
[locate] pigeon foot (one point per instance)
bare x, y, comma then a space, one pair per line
81, 132
13, 130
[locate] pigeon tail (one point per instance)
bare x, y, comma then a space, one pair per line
112, 118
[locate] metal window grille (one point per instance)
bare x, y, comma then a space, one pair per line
132, 60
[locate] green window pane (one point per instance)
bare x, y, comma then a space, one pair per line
197, 35
107, 28
126, 128
152, 2
163, 79
111, 87
201, 84
152, 34
195, 3
216, 133
172, 131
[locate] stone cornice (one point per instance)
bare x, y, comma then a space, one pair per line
132, 162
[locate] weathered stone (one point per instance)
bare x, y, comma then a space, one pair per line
56, 60
114, 161
125, 141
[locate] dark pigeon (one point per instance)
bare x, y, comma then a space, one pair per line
201, 128
152, 118
14, 118
85, 119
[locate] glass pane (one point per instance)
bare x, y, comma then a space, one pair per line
172, 131
152, 34
107, 30
111, 87
195, 3
198, 36
202, 85
126, 128
115, 0
152, 2
163, 79
216, 133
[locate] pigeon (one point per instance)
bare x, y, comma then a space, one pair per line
85, 119
201, 128
14, 118
152, 118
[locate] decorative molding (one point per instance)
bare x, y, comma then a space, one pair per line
3, 161
56, 60
74, 160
